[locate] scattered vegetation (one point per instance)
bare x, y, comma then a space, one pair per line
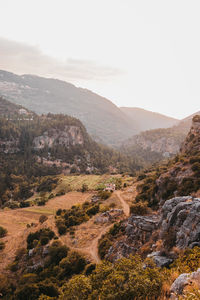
78, 214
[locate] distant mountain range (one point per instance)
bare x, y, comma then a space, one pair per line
147, 120
104, 121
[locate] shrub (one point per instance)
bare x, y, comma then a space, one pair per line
93, 210
57, 252
44, 240
62, 229
103, 246
74, 263
139, 208
3, 232
84, 188
89, 269
2, 245
42, 234
104, 194
42, 219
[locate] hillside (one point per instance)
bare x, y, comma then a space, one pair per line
144, 235
160, 143
147, 120
180, 176
102, 119
32, 146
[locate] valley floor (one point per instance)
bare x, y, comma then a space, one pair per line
86, 234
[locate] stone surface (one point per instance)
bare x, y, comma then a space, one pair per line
71, 135
183, 280
160, 260
183, 215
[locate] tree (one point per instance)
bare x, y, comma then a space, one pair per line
77, 288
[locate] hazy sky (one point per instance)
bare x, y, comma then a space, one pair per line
143, 53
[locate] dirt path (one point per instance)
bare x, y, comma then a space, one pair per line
92, 250
125, 205
16, 220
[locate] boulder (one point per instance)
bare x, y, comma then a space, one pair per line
183, 215
160, 260
183, 280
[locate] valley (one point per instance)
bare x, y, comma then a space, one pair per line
86, 235
122, 222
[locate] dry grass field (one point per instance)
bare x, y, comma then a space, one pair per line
86, 235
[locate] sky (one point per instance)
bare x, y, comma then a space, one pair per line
137, 53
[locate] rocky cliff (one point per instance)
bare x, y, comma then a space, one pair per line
69, 136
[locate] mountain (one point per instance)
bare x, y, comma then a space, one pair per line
180, 176
32, 146
102, 119
159, 143
147, 120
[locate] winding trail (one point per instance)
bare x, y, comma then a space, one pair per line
125, 205
92, 250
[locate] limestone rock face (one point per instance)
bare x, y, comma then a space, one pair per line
71, 135
138, 231
179, 217
183, 280
192, 142
160, 260
183, 215
162, 145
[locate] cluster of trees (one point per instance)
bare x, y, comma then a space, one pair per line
53, 271
77, 214
20, 169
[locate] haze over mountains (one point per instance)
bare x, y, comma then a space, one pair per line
103, 120
151, 120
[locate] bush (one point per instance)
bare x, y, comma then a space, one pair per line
140, 208
103, 246
42, 235
57, 252
3, 232
62, 229
93, 210
44, 240
42, 219
74, 263
104, 194
2, 245
84, 188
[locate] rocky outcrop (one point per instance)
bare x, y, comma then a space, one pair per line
159, 259
182, 214
192, 142
71, 135
184, 280
137, 231
108, 216
177, 224
164, 145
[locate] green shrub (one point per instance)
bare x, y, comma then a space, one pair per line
2, 245
57, 252
84, 188
74, 263
104, 194
103, 246
3, 232
139, 208
43, 218
62, 229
